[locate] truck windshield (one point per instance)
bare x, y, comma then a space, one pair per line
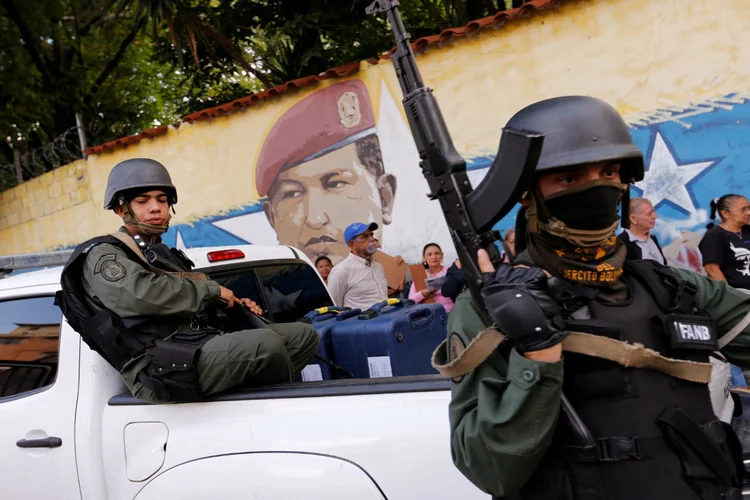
287, 291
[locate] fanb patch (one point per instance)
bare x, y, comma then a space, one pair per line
456, 347
110, 269
692, 332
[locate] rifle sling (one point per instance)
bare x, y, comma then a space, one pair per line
622, 353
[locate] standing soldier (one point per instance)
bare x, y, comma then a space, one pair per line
135, 302
636, 367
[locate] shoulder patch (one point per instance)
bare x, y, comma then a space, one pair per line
102, 260
456, 347
110, 269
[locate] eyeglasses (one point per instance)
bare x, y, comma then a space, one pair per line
364, 237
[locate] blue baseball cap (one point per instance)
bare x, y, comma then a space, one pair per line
356, 229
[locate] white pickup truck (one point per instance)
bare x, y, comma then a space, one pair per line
69, 429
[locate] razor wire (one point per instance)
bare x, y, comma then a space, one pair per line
64, 149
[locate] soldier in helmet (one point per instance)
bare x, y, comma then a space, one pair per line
654, 432
136, 302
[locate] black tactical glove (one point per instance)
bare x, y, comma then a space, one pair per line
518, 301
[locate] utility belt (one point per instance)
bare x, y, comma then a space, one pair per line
710, 456
172, 372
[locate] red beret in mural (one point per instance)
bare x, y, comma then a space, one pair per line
322, 122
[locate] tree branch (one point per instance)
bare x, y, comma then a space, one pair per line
30, 43
115, 61
235, 54
86, 28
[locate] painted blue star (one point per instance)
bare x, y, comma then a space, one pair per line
666, 180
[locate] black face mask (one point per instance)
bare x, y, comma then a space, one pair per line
590, 207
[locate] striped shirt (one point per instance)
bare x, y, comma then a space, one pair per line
357, 283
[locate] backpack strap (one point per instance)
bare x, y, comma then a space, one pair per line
131, 245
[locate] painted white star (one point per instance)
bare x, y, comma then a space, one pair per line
253, 228
665, 180
180, 243
281, 301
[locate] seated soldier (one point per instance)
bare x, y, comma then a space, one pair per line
133, 301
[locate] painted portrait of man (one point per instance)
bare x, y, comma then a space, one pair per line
321, 168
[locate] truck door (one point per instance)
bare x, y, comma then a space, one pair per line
266, 475
37, 401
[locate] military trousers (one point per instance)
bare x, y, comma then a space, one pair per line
251, 358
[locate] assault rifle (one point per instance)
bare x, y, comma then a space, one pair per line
470, 213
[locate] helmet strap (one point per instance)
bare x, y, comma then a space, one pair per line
579, 237
130, 219
625, 209
536, 212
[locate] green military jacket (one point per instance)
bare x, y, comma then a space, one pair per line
113, 281
503, 414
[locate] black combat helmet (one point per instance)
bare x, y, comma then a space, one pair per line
579, 130
138, 173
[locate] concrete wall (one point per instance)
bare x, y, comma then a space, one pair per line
678, 72
46, 211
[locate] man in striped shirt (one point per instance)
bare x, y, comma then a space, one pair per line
358, 281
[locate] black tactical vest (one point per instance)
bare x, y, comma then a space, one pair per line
657, 436
171, 374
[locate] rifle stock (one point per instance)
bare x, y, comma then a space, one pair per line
470, 213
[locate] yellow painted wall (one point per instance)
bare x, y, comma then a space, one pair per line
43, 212
650, 59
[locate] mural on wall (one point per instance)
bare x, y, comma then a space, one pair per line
693, 155
324, 164
328, 175
354, 164
296, 164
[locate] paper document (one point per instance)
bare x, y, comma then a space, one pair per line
435, 283
311, 373
419, 276
380, 366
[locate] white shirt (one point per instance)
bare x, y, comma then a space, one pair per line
357, 283
649, 250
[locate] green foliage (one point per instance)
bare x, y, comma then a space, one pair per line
59, 58
128, 65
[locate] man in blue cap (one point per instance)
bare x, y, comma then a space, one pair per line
358, 281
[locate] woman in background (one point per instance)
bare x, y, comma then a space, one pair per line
726, 251
432, 260
726, 248
323, 265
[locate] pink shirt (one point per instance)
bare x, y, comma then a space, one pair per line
416, 295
